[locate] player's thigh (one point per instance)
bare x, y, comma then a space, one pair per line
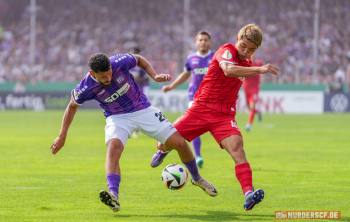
191, 126
114, 133
153, 123
232, 143
224, 126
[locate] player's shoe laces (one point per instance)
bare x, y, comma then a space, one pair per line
247, 127
110, 200
206, 186
158, 158
199, 161
253, 198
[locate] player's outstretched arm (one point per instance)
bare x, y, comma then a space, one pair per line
178, 81
146, 66
231, 70
67, 120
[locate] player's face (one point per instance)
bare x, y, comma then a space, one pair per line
245, 48
203, 43
104, 78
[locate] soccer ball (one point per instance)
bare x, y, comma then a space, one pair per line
174, 176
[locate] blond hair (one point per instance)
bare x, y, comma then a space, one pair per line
252, 32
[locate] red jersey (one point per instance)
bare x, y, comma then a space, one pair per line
217, 91
251, 83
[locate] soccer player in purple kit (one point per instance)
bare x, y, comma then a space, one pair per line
126, 108
196, 66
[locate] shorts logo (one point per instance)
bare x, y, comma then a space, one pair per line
234, 124
118, 94
227, 55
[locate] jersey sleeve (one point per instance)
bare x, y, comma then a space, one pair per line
187, 67
80, 94
123, 61
226, 54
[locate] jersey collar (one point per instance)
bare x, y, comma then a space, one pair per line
203, 56
93, 78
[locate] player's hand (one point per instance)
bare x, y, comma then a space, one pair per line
166, 88
269, 68
162, 78
57, 144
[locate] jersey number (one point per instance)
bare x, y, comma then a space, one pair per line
161, 116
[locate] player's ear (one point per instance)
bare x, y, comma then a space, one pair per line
92, 73
237, 39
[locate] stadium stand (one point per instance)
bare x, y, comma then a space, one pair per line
68, 32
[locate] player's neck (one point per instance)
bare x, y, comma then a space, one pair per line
203, 52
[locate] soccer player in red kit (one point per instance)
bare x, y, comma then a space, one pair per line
251, 86
214, 106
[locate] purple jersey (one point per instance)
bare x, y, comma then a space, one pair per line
198, 65
123, 94
137, 72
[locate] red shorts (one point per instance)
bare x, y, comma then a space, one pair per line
251, 96
199, 119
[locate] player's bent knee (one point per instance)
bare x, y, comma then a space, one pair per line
115, 146
177, 142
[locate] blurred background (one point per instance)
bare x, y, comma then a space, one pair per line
45, 44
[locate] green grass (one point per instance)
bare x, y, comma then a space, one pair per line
301, 162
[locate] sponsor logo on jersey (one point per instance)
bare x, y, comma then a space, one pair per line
200, 71
120, 79
241, 78
118, 93
209, 61
76, 95
227, 55
102, 91
119, 59
195, 62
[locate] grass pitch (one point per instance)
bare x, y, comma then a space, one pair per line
301, 162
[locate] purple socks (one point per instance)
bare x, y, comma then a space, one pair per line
196, 143
113, 181
193, 169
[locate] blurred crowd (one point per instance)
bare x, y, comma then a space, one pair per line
69, 32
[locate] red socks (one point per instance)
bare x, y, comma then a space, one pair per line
244, 176
251, 116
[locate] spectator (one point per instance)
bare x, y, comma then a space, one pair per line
67, 35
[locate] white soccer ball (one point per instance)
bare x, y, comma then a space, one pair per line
174, 176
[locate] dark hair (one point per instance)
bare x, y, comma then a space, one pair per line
99, 62
135, 50
204, 32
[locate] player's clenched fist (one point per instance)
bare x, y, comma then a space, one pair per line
162, 78
269, 68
